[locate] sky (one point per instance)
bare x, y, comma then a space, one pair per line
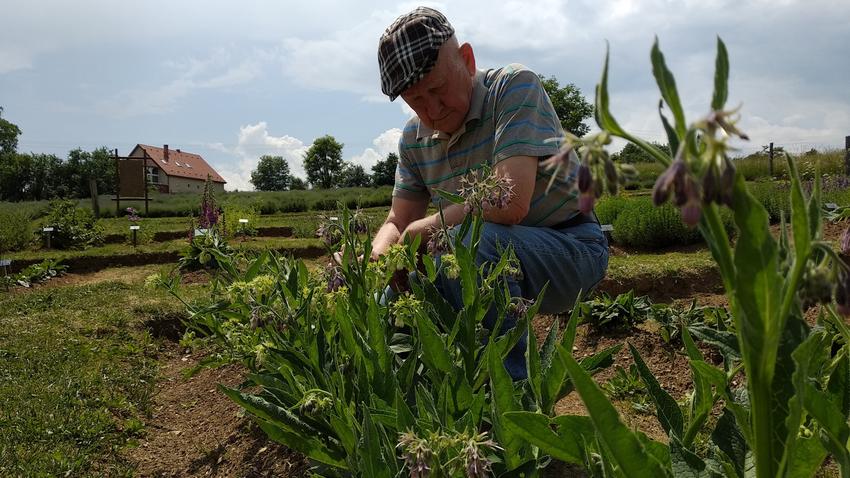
232, 81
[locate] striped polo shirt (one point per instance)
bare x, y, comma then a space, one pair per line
510, 114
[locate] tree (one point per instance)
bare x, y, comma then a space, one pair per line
354, 176
323, 162
383, 172
570, 105
272, 174
297, 184
634, 154
9, 133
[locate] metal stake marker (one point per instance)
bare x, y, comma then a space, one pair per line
5, 263
49, 231
243, 221
134, 229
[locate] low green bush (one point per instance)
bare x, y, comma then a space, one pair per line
609, 207
73, 227
640, 224
15, 230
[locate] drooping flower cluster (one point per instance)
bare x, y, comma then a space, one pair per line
476, 463
483, 190
439, 241
315, 402
596, 172
329, 232
416, 453
334, 276
518, 307
451, 268
132, 215
842, 292
404, 309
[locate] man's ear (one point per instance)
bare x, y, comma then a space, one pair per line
468, 58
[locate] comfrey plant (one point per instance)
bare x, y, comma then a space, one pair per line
368, 387
794, 410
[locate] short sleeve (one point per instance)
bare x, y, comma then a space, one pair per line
524, 117
408, 181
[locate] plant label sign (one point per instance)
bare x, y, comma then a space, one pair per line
5, 262
200, 232
607, 227
134, 228
333, 218
243, 221
47, 229
831, 206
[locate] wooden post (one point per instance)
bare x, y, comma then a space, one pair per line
145, 172
95, 207
847, 155
117, 186
770, 160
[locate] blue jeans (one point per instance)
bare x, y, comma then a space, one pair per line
570, 260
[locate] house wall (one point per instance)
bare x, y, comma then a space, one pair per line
187, 185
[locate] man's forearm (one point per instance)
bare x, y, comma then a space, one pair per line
386, 236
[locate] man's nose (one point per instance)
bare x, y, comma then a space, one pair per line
435, 107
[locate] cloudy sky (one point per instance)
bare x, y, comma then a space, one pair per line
235, 80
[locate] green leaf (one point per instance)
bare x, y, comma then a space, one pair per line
727, 342
799, 214
434, 352
297, 434
672, 137
839, 385
624, 446
502, 390
685, 463
532, 361
669, 414
370, 455
451, 197
566, 445
667, 85
404, 417
721, 77
547, 352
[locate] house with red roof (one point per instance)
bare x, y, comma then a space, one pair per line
175, 171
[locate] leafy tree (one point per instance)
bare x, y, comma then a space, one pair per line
9, 133
633, 154
570, 105
354, 176
323, 162
272, 174
15, 175
383, 172
297, 184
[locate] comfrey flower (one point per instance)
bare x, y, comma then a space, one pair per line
482, 191
404, 309
396, 258
476, 463
439, 241
315, 402
519, 307
334, 276
329, 232
132, 215
450, 266
417, 454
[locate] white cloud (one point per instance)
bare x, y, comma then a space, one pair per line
385, 143
13, 58
254, 141
220, 69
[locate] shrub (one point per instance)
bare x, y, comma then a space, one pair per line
640, 224
327, 204
609, 207
15, 230
73, 227
232, 226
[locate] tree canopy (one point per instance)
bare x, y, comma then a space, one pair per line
272, 174
570, 105
9, 133
354, 176
633, 154
383, 172
323, 162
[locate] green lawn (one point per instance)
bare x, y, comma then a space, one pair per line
77, 373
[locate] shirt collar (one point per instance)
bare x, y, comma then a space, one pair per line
476, 110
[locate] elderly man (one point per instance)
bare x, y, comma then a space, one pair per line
467, 118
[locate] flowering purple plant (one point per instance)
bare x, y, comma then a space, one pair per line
209, 212
132, 215
482, 191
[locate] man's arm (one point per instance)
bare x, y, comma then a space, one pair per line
403, 212
521, 170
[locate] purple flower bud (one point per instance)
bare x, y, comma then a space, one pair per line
610, 171
585, 179
667, 180
710, 186
727, 183
585, 202
842, 292
691, 212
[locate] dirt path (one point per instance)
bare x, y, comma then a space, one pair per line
195, 430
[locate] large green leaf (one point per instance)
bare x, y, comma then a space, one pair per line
669, 414
624, 446
297, 434
435, 354
685, 463
799, 214
729, 439
721, 77
667, 85
567, 444
502, 396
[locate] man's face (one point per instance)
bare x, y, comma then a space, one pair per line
441, 98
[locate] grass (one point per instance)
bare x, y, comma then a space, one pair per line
633, 266
77, 374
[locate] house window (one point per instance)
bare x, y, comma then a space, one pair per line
153, 175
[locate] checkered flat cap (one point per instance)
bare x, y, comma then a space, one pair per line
408, 48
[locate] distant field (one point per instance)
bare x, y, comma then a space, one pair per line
269, 202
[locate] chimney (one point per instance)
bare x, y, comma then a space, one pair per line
165, 153
178, 150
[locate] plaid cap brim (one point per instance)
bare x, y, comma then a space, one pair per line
408, 49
